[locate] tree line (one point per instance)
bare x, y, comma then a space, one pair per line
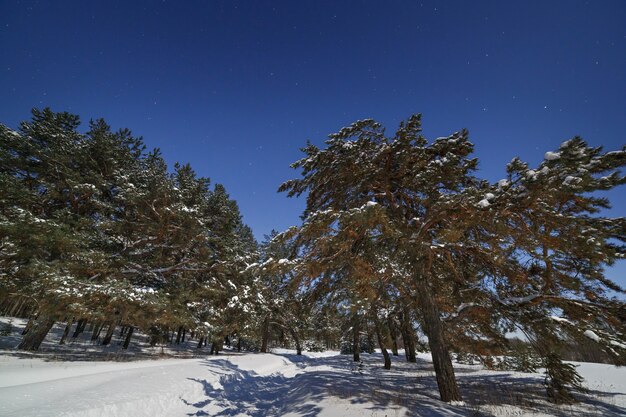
94, 228
400, 239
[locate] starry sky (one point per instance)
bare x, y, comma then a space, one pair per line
237, 87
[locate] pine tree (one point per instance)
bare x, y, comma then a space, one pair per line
397, 194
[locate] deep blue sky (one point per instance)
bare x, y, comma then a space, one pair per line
237, 87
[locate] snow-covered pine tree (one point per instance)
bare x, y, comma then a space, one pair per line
402, 193
52, 226
560, 237
95, 229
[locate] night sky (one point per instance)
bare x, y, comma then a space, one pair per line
237, 87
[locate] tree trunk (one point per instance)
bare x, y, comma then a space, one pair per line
216, 346
16, 307
238, 343
129, 334
296, 339
80, 327
356, 342
266, 334
179, 334
66, 332
394, 336
370, 342
381, 345
37, 333
408, 337
96, 331
446, 380
28, 326
200, 342
182, 339
109, 335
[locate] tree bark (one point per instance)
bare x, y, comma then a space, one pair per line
433, 327
17, 306
179, 334
28, 326
266, 334
109, 334
408, 337
96, 331
370, 342
129, 334
66, 332
381, 345
216, 346
238, 343
182, 339
37, 333
80, 327
356, 342
296, 339
394, 336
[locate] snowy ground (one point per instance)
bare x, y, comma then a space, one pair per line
281, 384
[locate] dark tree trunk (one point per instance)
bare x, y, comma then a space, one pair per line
381, 345
37, 333
179, 334
129, 334
296, 339
238, 343
446, 380
356, 342
200, 342
370, 342
394, 336
66, 332
182, 339
408, 337
216, 346
109, 334
28, 326
16, 307
80, 327
406, 346
266, 334
96, 331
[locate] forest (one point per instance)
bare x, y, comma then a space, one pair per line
402, 246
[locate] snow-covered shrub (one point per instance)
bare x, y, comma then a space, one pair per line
467, 358
314, 346
366, 346
249, 345
520, 361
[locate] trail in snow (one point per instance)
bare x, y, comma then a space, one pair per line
282, 384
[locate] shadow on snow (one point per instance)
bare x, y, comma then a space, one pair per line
410, 386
